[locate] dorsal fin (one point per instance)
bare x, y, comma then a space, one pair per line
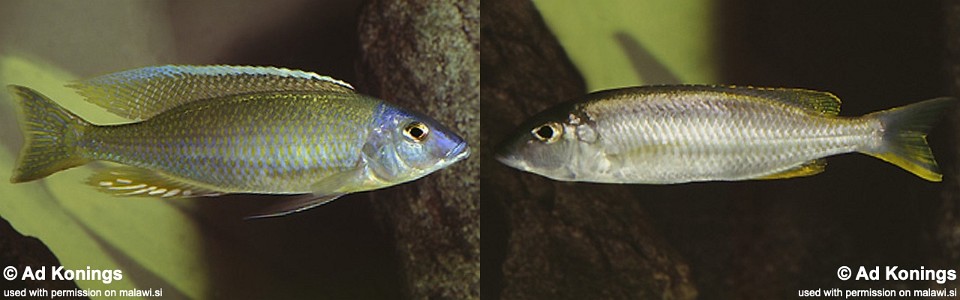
815, 101
139, 94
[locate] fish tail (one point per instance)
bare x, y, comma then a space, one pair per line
904, 141
50, 136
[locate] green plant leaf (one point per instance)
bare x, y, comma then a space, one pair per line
154, 243
609, 41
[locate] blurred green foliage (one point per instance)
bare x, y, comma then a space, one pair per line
673, 35
42, 45
84, 227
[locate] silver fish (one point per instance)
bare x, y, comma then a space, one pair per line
210, 130
687, 133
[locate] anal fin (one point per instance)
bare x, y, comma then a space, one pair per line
806, 169
133, 181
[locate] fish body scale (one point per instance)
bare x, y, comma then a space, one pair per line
686, 133
253, 143
213, 130
661, 139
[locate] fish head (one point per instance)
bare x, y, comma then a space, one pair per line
406, 145
549, 144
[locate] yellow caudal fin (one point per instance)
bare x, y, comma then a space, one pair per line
50, 136
904, 140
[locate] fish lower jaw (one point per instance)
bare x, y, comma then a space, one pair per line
512, 162
461, 151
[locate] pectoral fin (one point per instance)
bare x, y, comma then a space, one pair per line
341, 183
327, 189
806, 169
294, 204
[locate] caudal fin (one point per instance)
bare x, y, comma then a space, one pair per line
905, 131
50, 136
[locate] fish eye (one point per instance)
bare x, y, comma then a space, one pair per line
549, 132
416, 131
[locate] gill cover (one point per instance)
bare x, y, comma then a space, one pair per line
404, 145
546, 144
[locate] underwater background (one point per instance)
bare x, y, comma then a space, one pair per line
730, 240
196, 248
718, 240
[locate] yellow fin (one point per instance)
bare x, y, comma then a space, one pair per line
905, 131
820, 102
50, 133
131, 181
812, 167
815, 101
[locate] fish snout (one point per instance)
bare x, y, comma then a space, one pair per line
509, 159
458, 152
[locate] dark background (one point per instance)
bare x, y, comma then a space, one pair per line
415, 240
338, 251
774, 237
741, 240
751, 239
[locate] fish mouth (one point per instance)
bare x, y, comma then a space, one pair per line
459, 152
510, 160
